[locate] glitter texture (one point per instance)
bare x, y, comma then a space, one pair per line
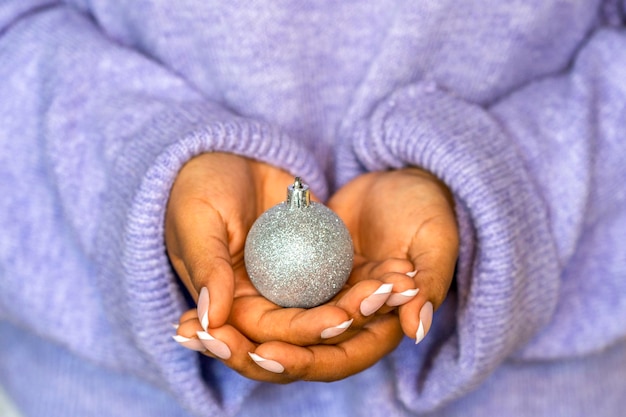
299, 257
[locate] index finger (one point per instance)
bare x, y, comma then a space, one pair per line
328, 363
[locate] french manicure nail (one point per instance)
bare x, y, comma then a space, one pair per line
411, 274
337, 330
375, 301
267, 364
175, 326
203, 308
402, 297
193, 344
213, 345
426, 318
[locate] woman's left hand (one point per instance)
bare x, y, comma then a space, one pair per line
404, 214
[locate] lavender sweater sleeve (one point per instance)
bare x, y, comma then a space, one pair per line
93, 135
517, 106
538, 180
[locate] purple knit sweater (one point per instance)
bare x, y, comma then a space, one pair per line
519, 106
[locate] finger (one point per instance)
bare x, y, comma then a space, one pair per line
434, 273
403, 288
434, 251
416, 315
263, 321
188, 315
396, 271
365, 269
364, 299
218, 343
330, 362
199, 239
416, 318
226, 344
186, 332
205, 262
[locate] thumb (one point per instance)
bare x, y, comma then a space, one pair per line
433, 252
205, 263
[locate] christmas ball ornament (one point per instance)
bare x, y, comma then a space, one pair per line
298, 253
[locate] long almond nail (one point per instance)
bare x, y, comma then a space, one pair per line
375, 301
193, 344
267, 364
203, 308
337, 330
215, 346
426, 319
402, 297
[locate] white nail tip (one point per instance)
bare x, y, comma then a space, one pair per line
337, 330
420, 333
192, 344
384, 289
268, 365
411, 274
204, 335
180, 339
410, 293
345, 324
203, 308
376, 300
204, 322
215, 346
401, 298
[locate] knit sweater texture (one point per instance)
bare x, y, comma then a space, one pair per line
518, 106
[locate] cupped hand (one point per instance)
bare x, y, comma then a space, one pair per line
281, 362
404, 214
213, 203
300, 344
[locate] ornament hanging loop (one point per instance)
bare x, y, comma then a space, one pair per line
298, 195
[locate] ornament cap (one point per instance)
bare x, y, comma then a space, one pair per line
298, 195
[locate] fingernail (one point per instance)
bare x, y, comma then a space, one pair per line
426, 318
175, 326
375, 301
213, 345
411, 274
402, 297
337, 330
203, 308
267, 364
193, 344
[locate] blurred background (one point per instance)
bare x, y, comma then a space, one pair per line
7, 409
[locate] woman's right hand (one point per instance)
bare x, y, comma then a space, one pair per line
213, 203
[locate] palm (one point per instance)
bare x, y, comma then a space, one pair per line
213, 204
403, 214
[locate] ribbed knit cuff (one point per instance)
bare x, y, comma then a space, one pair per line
507, 273
139, 286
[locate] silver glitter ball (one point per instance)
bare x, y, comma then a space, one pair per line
299, 253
